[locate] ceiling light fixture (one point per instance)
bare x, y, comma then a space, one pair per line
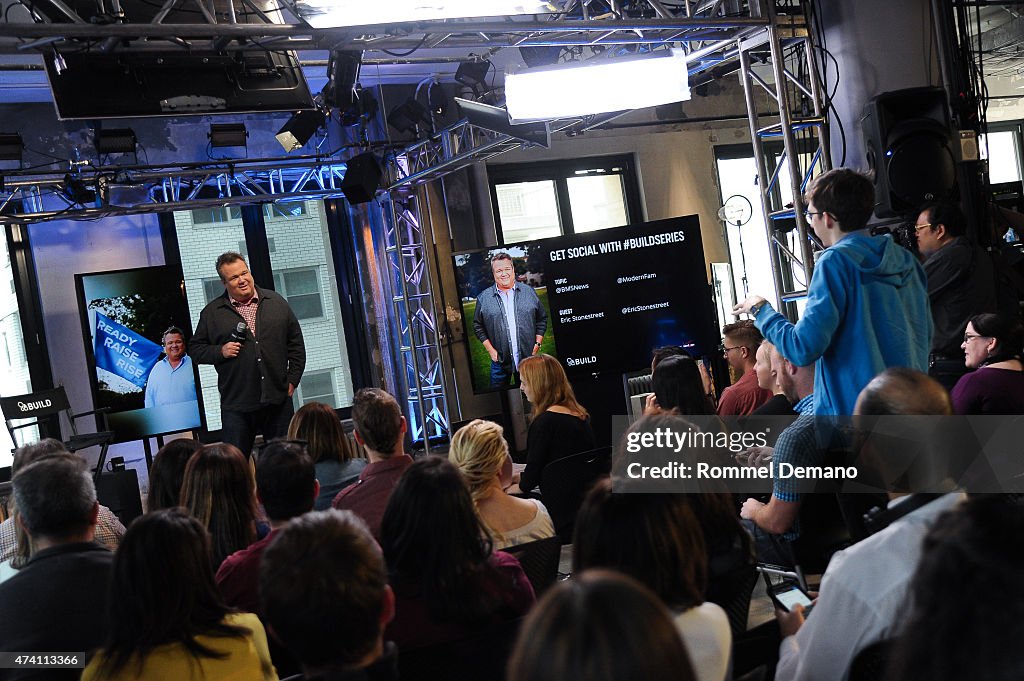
597, 86
300, 128
339, 13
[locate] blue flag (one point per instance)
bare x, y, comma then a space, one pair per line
123, 352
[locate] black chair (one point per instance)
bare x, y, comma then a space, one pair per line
539, 560
871, 662
45, 404
482, 657
732, 591
565, 482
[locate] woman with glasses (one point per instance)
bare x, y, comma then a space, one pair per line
992, 347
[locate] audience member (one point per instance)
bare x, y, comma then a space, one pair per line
992, 347
664, 351
863, 590
380, 430
678, 388
739, 347
447, 581
167, 621
326, 597
601, 626
219, 491
774, 525
961, 283
966, 599
560, 426
867, 303
656, 539
168, 473
480, 453
57, 602
779, 404
338, 465
109, 529
286, 485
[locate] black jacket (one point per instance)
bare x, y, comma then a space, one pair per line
56, 603
260, 374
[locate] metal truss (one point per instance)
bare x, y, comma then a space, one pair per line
419, 349
234, 25
793, 86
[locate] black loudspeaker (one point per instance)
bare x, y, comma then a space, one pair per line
910, 147
362, 177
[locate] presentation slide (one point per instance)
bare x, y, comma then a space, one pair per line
136, 328
609, 297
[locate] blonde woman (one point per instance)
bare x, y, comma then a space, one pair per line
480, 453
560, 426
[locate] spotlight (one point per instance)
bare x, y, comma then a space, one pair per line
364, 107
495, 118
540, 55
474, 75
11, 147
300, 128
362, 177
77, 192
228, 135
407, 115
117, 141
342, 76
437, 99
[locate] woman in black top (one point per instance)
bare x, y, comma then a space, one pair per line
560, 425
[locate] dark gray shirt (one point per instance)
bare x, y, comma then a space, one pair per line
961, 284
489, 322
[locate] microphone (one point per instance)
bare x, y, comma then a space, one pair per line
238, 335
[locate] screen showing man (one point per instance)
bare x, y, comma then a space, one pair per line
253, 338
172, 378
509, 321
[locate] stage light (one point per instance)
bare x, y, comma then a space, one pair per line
340, 13
11, 147
474, 75
300, 128
437, 99
407, 115
362, 177
597, 86
363, 109
496, 119
118, 141
228, 135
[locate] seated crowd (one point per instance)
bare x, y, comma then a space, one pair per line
323, 560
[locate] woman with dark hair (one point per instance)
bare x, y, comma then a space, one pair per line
966, 600
655, 539
992, 347
678, 387
600, 626
337, 463
167, 621
220, 491
168, 473
560, 426
448, 583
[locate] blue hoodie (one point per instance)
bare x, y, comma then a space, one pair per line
867, 310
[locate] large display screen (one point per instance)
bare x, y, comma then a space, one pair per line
141, 373
608, 298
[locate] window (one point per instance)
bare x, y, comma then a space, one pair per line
1000, 149
302, 289
316, 386
541, 200
215, 215
212, 288
15, 378
273, 211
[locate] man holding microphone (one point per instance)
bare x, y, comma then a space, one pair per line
254, 340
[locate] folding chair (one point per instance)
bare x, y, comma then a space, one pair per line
44, 404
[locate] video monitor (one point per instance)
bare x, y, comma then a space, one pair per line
607, 298
136, 328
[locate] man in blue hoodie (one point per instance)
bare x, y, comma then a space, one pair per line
867, 304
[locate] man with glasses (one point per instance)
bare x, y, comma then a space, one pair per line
867, 302
253, 338
739, 347
961, 283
